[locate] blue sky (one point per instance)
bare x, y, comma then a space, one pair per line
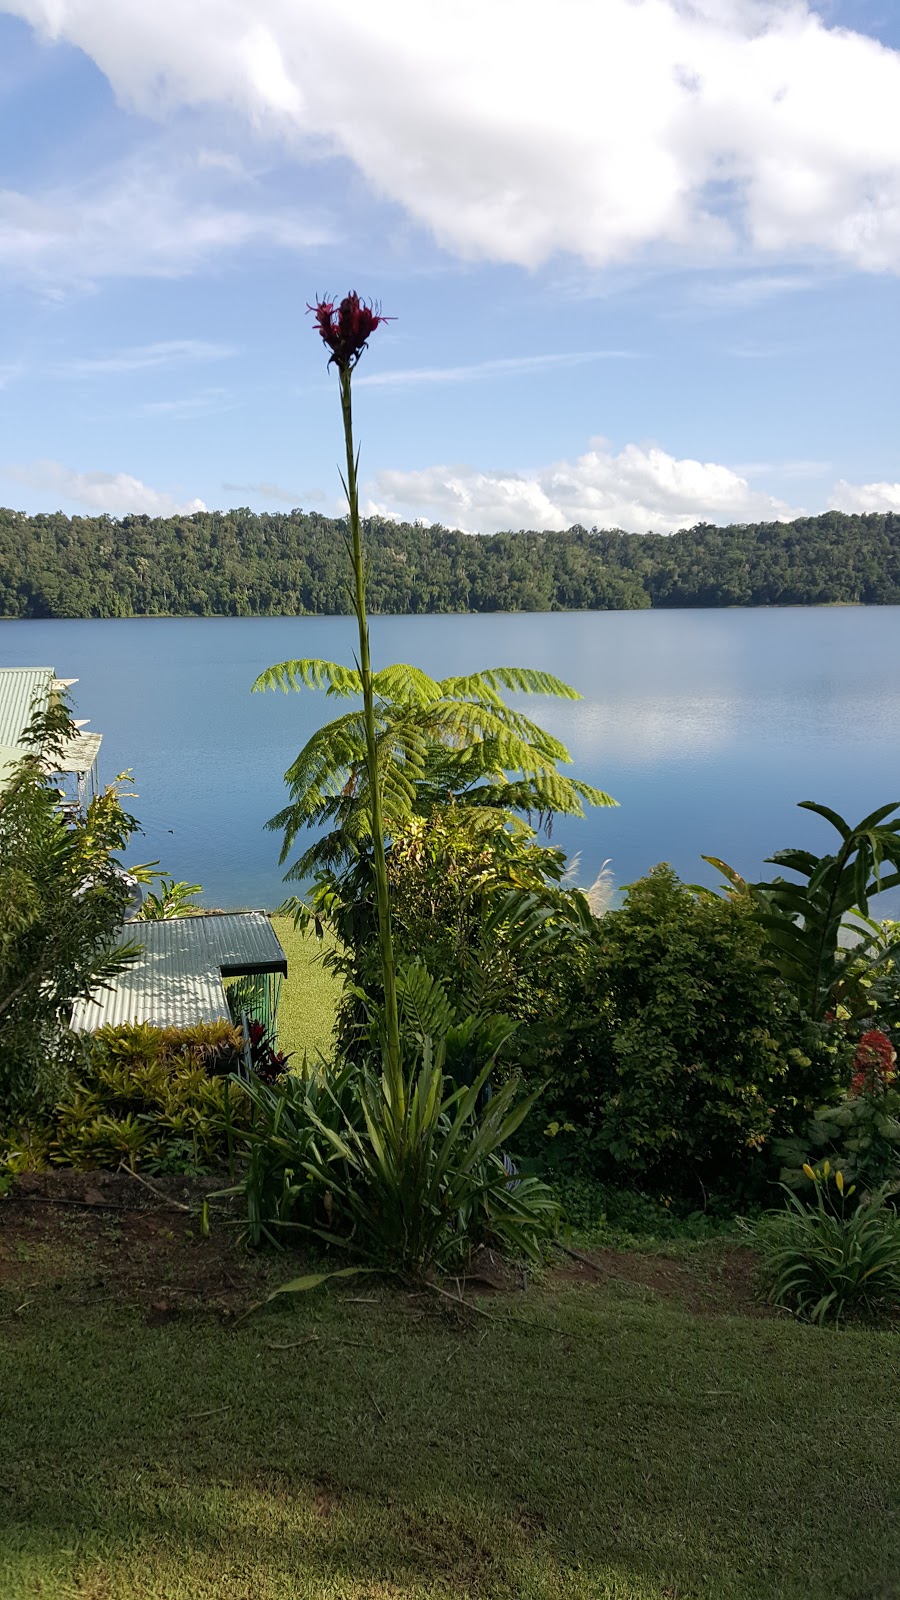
643, 256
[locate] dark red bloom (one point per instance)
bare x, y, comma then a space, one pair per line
873, 1064
346, 328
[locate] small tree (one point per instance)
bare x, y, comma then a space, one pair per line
63, 896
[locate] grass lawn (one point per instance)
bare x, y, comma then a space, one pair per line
593, 1440
308, 997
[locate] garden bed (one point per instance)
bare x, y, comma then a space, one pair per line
112, 1236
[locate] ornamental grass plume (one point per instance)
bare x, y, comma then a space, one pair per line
346, 329
873, 1064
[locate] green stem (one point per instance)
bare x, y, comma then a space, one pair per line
382, 898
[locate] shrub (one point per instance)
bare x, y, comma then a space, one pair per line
683, 1054
160, 1098
824, 1261
63, 897
474, 898
860, 1133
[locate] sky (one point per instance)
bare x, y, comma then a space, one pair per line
643, 256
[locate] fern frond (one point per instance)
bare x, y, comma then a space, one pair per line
310, 673
519, 680
402, 684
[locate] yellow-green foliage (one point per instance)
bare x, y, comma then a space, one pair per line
157, 1097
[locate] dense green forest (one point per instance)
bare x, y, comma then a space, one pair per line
239, 563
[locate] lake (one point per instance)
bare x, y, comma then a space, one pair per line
706, 726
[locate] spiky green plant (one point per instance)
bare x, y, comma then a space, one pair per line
408, 1181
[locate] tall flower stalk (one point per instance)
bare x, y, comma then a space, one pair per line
346, 329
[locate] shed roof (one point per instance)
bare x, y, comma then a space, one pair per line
20, 688
178, 979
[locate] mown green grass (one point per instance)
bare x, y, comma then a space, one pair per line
327, 1450
308, 997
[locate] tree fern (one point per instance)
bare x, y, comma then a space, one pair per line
436, 738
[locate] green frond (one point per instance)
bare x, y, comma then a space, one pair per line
423, 1001
310, 673
519, 680
402, 684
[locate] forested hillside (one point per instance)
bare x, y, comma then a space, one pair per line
238, 563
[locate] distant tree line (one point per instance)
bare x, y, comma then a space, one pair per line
240, 563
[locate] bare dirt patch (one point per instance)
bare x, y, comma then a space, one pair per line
717, 1281
105, 1236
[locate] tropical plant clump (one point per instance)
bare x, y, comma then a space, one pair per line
819, 930
825, 1261
160, 1099
406, 1159
407, 1184
63, 894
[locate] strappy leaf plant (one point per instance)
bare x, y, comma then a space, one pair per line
825, 1261
407, 1184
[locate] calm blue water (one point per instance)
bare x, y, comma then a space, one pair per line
707, 726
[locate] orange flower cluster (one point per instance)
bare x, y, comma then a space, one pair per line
873, 1064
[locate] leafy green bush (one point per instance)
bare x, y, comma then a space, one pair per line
63, 897
825, 1260
474, 899
678, 1054
159, 1098
860, 1133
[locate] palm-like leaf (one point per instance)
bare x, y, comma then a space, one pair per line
804, 921
435, 738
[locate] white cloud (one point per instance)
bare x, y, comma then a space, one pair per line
113, 492
273, 491
744, 293
638, 489
502, 367
143, 218
210, 403
515, 133
144, 357
866, 496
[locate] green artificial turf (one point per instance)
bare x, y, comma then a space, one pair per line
340, 1448
309, 996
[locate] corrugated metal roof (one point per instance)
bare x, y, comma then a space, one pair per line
19, 686
242, 941
177, 981
156, 990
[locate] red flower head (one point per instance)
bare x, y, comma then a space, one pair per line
873, 1064
346, 329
